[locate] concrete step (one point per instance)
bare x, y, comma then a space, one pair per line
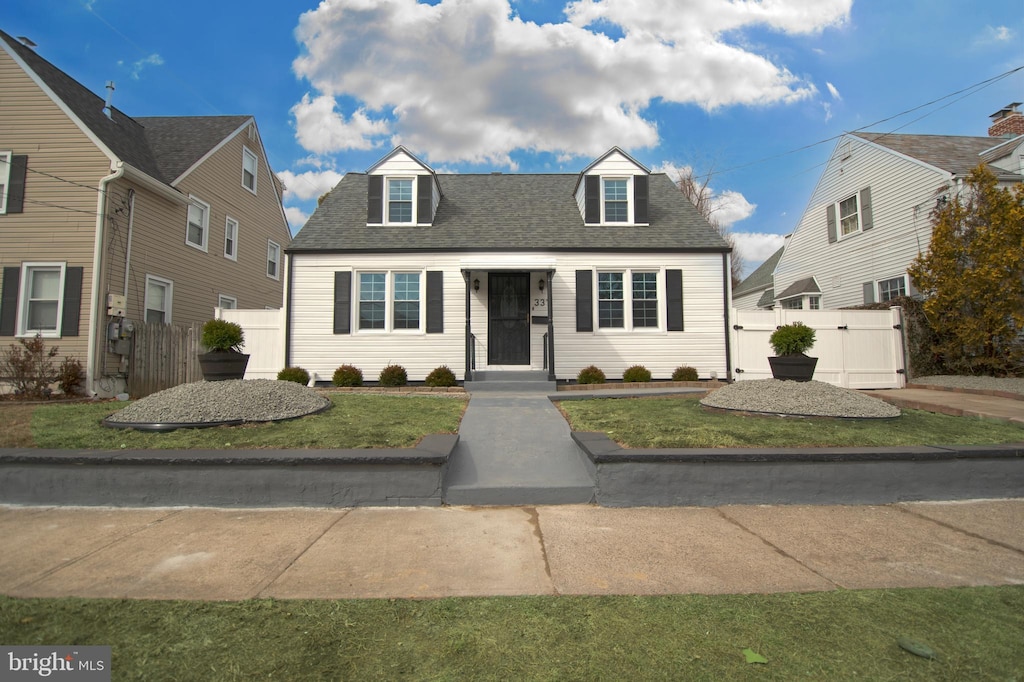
507, 496
511, 382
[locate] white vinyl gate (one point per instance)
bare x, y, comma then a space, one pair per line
264, 339
855, 348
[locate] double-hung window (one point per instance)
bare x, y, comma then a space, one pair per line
616, 202
227, 302
198, 230
399, 200
42, 284
645, 299
249, 170
5, 179
158, 299
389, 301
231, 238
889, 289
637, 311
849, 216
610, 303
273, 260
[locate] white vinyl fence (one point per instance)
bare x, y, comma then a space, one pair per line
264, 339
855, 348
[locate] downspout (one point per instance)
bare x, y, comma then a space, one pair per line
128, 248
726, 284
97, 267
552, 376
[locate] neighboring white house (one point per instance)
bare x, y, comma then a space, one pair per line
612, 267
870, 214
756, 292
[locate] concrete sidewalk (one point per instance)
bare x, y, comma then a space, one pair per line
217, 554
956, 403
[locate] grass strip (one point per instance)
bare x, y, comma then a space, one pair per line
681, 422
836, 635
354, 421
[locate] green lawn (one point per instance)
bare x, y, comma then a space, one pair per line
354, 421
839, 635
681, 422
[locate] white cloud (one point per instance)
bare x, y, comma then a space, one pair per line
470, 81
152, 60
755, 247
728, 206
997, 34
308, 185
296, 217
828, 111
832, 90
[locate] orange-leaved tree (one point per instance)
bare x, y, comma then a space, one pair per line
972, 277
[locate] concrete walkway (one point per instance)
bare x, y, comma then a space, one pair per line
956, 403
215, 554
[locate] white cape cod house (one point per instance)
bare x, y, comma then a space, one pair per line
612, 267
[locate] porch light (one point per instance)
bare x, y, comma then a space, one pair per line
476, 285
540, 284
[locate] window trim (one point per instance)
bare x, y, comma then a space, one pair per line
387, 199
840, 235
248, 153
628, 179
271, 244
389, 301
234, 255
196, 201
5, 178
798, 299
21, 328
878, 287
168, 297
628, 327
222, 297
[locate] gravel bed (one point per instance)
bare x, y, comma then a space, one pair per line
253, 400
978, 383
805, 398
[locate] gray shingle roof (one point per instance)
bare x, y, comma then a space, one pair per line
761, 278
499, 212
954, 153
807, 285
767, 298
161, 147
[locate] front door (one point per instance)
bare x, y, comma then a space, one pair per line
508, 318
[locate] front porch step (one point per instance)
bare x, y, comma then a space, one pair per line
519, 381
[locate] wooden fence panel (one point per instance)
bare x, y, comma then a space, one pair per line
163, 356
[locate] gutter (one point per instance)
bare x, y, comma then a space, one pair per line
97, 268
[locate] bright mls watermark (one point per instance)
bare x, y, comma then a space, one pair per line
78, 663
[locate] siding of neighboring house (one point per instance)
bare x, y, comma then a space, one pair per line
59, 219
317, 348
747, 301
903, 194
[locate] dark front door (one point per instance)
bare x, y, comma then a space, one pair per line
508, 318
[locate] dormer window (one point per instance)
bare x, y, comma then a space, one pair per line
249, 170
399, 200
616, 201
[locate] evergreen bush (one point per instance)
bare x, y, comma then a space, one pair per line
393, 375
684, 373
295, 374
590, 375
347, 376
636, 374
442, 376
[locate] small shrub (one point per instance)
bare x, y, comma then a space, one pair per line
69, 376
792, 339
30, 367
442, 376
296, 374
393, 375
221, 335
590, 375
684, 373
636, 373
347, 375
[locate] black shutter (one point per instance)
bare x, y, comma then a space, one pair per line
375, 200
9, 300
342, 302
592, 199
435, 302
674, 300
867, 221
869, 292
72, 310
424, 200
16, 184
640, 194
830, 219
584, 301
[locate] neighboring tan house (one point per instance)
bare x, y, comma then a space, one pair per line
188, 207
609, 267
870, 214
756, 292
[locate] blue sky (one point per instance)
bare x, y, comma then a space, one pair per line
742, 88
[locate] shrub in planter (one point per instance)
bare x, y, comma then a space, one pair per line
684, 373
790, 342
296, 374
636, 373
442, 376
224, 342
393, 375
221, 335
590, 375
348, 376
69, 376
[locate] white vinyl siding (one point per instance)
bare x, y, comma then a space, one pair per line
41, 303
159, 299
197, 231
273, 259
250, 169
231, 238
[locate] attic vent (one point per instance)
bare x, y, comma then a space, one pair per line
252, 132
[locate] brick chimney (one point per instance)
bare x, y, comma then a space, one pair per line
1007, 122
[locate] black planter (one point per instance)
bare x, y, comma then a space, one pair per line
221, 365
792, 367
